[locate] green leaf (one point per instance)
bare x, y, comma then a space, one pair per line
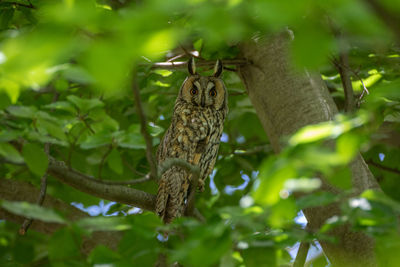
22, 111
4, 100
198, 45
61, 105
282, 213
305, 185
115, 162
347, 146
102, 121
131, 140
259, 256
97, 140
61, 85
103, 255
329, 129
9, 135
33, 211
64, 245
341, 178
78, 74
51, 128
164, 73
35, 158
6, 16
302, 44
9, 152
155, 130
85, 105
272, 179
23, 251
104, 223
316, 199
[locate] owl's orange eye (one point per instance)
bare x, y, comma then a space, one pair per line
213, 92
194, 91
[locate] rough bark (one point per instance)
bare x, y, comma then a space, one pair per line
13, 190
287, 99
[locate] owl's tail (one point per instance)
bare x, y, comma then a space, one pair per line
172, 190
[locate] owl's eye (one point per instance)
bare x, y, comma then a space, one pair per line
213, 92
194, 91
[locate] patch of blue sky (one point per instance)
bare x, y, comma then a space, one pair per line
230, 189
240, 139
315, 248
96, 210
224, 138
213, 187
314, 251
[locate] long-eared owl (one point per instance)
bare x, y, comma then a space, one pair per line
194, 136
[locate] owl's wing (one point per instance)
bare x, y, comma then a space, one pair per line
174, 183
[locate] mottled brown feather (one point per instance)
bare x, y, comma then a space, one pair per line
194, 136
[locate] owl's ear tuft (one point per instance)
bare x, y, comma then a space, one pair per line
218, 68
191, 66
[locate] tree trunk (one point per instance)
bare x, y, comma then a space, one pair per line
287, 99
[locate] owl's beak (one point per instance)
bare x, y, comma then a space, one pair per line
203, 100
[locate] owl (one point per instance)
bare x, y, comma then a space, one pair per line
194, 136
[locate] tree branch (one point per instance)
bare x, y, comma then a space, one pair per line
92, 186
342, 65
143, 128
126, 182
30, 5
13, 190
301, 254
110, 190
379, 166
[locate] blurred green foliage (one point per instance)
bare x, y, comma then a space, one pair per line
65, 79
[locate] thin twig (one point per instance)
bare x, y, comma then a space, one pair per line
72, 146
175, 57
201, 63
187, 53
133, 170
103, 159
230, 69
370, 162
82, 118
365, 89
28, 221
42, 194
143, 128
343, 68
30, 5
